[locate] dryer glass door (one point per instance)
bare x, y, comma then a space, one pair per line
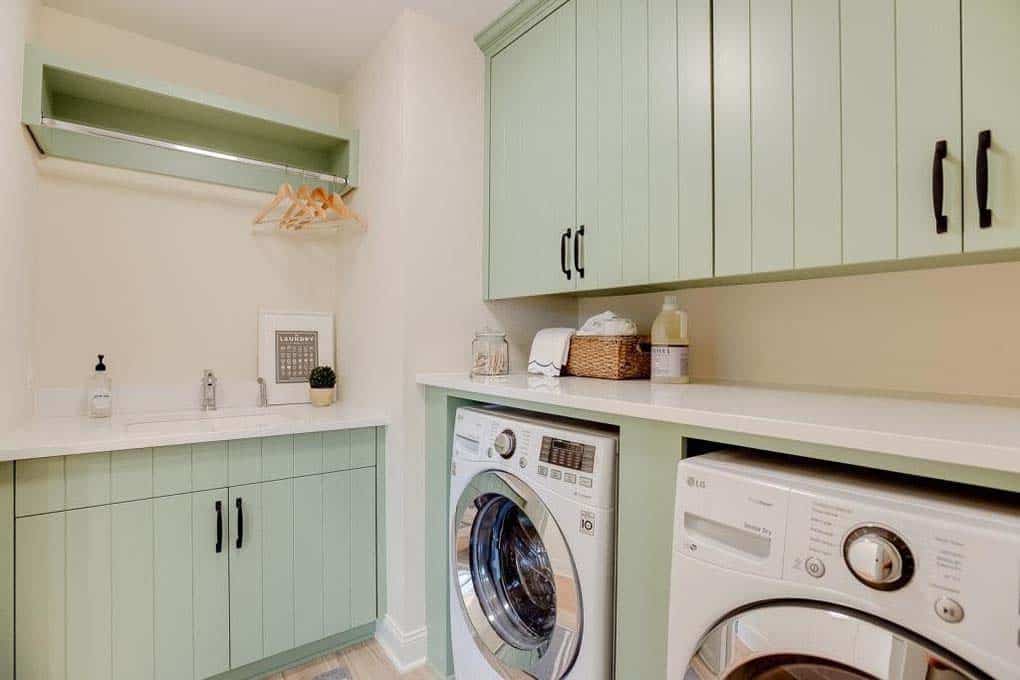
518, 585
807, 641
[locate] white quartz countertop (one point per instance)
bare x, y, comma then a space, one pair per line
61, 436
984, 436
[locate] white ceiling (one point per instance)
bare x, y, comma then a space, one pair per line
319, 42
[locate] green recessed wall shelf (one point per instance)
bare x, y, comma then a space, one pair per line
88, 113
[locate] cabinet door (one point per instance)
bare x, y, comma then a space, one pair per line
533, 158
40, 602
928, 114
991, 102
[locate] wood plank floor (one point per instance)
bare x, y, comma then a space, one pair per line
365, 661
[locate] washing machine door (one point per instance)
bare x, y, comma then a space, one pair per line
807, 641
518, 586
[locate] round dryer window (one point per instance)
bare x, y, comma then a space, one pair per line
518, 584
810, 641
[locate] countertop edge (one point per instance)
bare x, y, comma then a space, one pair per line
936, 449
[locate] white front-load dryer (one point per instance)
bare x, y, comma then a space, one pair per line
787, 569
532, 525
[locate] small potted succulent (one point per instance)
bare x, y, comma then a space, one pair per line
322, 385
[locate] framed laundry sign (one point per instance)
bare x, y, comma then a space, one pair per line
291, 344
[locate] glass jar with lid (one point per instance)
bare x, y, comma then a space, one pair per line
490, 353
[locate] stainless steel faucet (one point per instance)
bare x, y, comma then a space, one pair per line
208, 390
263, 397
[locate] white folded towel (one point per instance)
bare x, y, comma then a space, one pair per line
608, 323
549, 351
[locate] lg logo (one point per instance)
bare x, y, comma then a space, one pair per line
695, 483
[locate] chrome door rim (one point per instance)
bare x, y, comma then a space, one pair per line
549, 661
720, 656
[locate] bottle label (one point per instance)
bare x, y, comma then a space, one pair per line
670, 361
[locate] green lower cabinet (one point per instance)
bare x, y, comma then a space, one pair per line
193, 585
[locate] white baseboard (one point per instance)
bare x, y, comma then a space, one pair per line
406, 650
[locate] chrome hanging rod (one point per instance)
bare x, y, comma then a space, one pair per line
171, 146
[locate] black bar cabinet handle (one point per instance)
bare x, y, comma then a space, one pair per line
564, 267
984, 144
240, 523
219, 526
577, 251
938, 186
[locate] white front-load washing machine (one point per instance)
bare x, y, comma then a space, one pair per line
532, 525
786, 569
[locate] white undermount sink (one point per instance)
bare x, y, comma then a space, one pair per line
208, 423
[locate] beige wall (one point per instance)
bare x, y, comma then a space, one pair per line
163, 275
411, 285
951, 331
17, 189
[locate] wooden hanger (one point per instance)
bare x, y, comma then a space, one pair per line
303, 207
286, 191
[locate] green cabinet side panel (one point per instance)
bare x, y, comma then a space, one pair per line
88, 572
337, 450
308, 454
336, 513
245, 576
40, 597
363, 546
174, 616
309, 563
130, 475
363, 447
88, 480
277, 457
991, 101
171, 470
211, 585
208, 466
40, 486
244, 461
133, 590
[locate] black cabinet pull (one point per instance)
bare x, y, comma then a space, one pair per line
577, 251
564, 267
984, 144
219, 526
938, 186
240, 523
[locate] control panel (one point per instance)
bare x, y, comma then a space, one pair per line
946, 562
561, 455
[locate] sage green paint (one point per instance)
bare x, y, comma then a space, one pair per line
132, 578
67, 89
152, 596
277, 457
649, 452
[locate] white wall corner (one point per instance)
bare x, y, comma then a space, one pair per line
406, 650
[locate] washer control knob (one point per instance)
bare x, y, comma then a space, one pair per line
949, 610
505, 444
878, 558
814, 567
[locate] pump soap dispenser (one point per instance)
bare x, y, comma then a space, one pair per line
100, 392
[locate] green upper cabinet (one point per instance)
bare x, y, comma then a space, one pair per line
991, 105
600, 145
533, 160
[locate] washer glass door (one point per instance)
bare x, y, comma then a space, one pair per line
518, 585
806, 641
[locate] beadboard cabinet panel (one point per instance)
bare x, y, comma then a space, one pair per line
245, 575
40, 597
533, 156
634, 180
211, 585
174, 612
132, 607
89, 594
731, 56
928, 104
817, 146
991, 102
868, 39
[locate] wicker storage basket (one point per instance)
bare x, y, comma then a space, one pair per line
616, 357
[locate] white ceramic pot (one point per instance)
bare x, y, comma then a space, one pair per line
322, 396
